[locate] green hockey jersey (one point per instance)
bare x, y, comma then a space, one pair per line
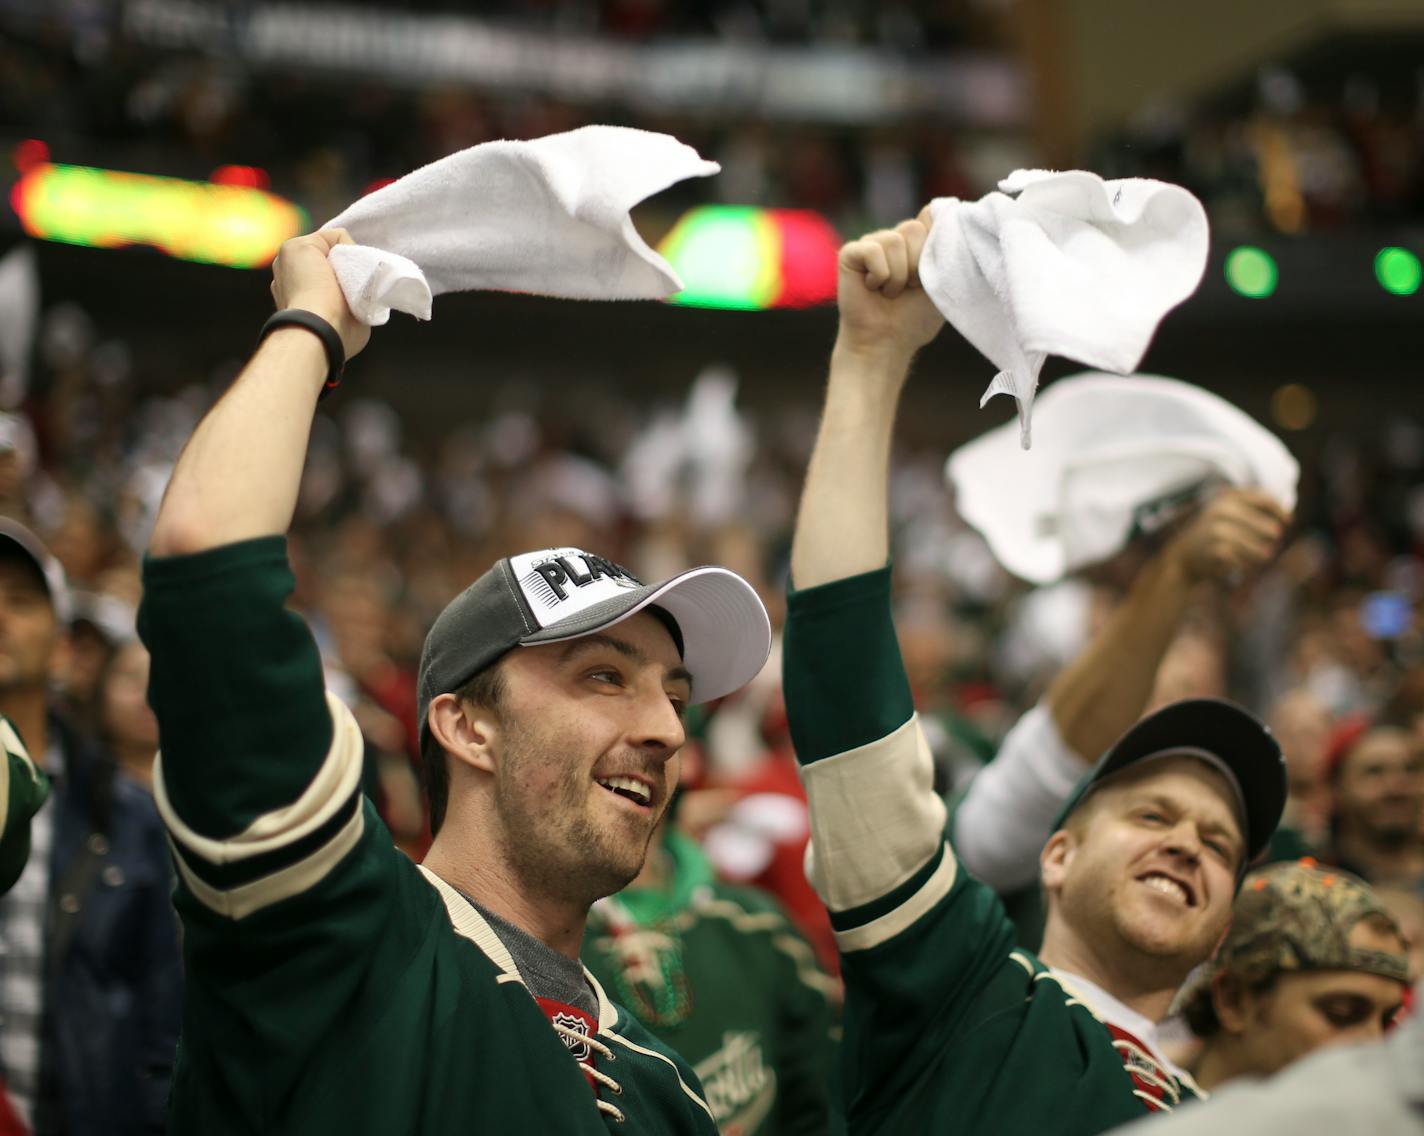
718, 973
332, 985
947, 1027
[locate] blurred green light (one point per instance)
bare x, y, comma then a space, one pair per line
1251, 272
1398, 271
728, 257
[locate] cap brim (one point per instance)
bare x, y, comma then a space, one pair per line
726, 633
1233, 736
49, 567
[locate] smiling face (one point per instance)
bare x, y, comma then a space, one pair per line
1301, 1012
1144, 872
585, 756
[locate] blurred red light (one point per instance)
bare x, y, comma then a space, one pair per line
379, 183
249, 177
29, 154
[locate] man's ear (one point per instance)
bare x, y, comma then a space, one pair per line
468, 733
1231, 1001
1056, 858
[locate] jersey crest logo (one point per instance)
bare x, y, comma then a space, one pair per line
579, 1049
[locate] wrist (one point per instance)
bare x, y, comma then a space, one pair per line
317, 329
879, 355
1176, 570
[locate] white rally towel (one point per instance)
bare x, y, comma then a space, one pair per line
550, 216
1062, 264
1117, 456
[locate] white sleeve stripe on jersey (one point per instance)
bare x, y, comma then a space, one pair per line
241, 901
892, 923
875, 817
333, 786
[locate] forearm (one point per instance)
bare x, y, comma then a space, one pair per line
1105, 689
238, 476
842, 528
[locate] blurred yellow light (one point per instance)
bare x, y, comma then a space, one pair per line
233, 225
1294, 407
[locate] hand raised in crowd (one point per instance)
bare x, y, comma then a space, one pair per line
302, 277
1234, 534
883, 308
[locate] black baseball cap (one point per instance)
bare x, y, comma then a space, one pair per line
718, 621
1227, 737
15, 537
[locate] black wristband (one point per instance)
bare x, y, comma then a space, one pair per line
335, 352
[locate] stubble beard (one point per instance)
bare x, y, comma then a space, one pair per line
553, 844
1112, 928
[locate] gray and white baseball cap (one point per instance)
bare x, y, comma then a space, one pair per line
564, 593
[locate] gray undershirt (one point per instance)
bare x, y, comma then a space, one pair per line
546, 972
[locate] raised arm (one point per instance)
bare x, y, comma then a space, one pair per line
1105, 690
255, 757
238, 476
919, 939
1008, 813
885, 317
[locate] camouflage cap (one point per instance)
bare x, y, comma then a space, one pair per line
1297, 916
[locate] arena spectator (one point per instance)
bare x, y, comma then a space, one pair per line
91, 985
1377, 830
718, 973
1313, 958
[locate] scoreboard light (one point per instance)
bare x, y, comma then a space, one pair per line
1398, 270
750, 259
1251, 272
235, 225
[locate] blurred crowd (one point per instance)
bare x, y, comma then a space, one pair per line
389, 527
1292, 158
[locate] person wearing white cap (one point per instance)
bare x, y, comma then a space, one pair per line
334, 986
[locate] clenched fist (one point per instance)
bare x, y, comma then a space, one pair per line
882, 306
302, 277
1233, 535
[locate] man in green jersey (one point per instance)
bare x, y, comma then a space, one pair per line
947, 1027
334, 986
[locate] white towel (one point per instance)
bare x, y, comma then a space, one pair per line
549, 216
1062, 264
1117, 455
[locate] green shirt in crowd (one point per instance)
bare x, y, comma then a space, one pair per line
718, 973
333, 987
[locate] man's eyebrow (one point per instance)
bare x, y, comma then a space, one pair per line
599, 639
680, 674
1229, 829
629, 651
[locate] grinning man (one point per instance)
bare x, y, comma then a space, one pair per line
948, 1028
334, 986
